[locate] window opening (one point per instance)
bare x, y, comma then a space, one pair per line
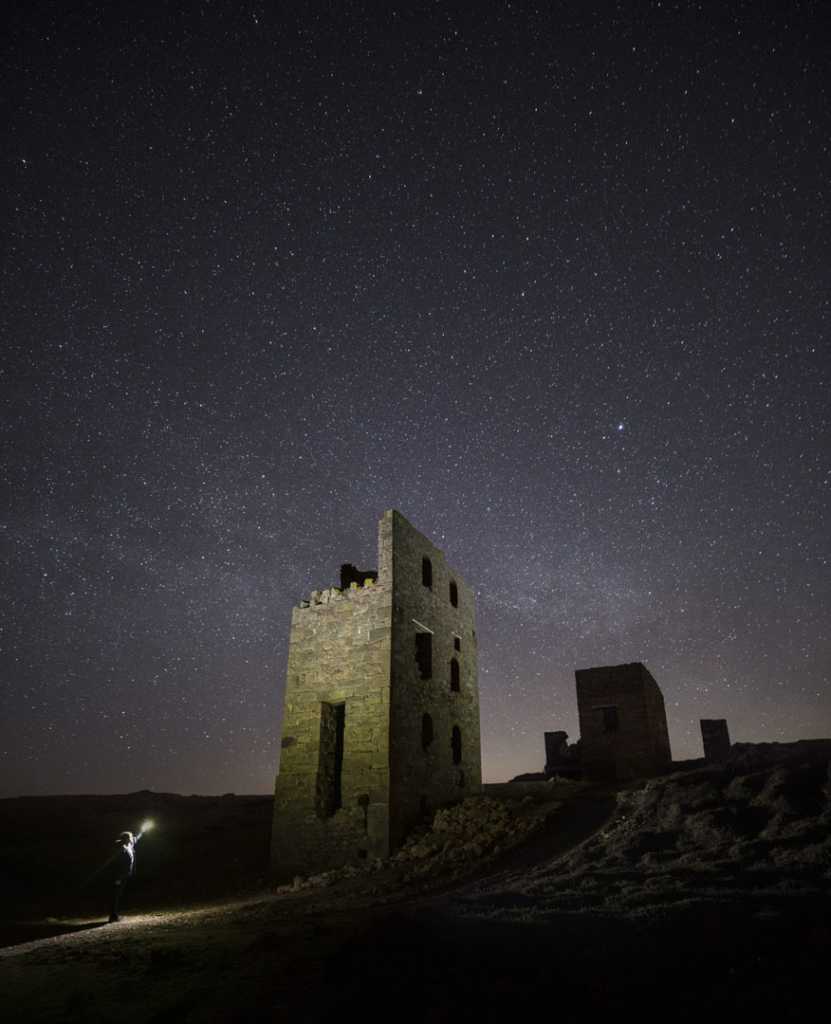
457, 643
456, 744
611, 720
330, 759
424, 654
426, 731
454, 594
427, 572
454, 675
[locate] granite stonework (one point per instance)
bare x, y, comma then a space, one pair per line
361, 760
623, 723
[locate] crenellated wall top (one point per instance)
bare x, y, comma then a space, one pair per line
331, 595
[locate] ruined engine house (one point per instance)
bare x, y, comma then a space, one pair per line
623, 722
381, 718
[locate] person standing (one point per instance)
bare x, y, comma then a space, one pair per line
124, 867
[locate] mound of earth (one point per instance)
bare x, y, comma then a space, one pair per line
756, 828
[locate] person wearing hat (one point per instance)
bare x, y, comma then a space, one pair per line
124, 867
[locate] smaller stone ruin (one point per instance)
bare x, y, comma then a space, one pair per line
716, 739
623, 723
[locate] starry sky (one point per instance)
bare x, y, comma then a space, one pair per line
550, 279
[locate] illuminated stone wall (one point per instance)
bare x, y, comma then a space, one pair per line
623, 722
356, 648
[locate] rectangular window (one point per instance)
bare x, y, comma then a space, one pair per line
424, 654
330, 761
457, 643
427, 573
611, 721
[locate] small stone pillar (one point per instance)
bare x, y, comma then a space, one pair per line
716, 739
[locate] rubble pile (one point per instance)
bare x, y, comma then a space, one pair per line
476, 830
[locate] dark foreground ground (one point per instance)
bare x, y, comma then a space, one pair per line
703, 894
316, 960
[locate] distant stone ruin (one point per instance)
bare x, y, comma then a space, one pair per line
716, 739
623, 723
381, 718
561, 757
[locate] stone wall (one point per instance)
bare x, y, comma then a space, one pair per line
423, 779
623, 725
339, 653
355, 648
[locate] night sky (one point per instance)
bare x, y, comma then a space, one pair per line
551, 279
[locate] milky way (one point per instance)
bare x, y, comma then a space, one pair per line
553, 280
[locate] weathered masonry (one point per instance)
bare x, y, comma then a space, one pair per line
381, 719
623, 723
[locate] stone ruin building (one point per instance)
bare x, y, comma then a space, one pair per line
381, 718
556, 751
716, 739
561, 757
623, 723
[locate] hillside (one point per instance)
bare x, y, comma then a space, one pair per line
701, 892
755, 832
